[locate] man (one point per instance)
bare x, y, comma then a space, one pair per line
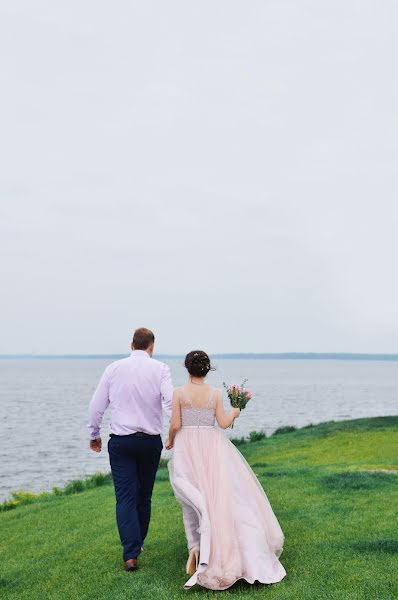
136, 389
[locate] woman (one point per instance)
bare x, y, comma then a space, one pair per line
231, 530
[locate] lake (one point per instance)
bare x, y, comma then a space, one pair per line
43, 407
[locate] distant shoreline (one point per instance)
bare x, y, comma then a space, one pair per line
226, 356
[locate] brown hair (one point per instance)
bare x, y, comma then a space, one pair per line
143, 338
198, 363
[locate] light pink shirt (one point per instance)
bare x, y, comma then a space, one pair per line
136, 389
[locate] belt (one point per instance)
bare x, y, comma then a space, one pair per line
137, 434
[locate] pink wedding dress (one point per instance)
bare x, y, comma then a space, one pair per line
227, 516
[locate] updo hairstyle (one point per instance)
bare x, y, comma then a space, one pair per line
198, 363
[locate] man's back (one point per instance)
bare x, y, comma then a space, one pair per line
136, 389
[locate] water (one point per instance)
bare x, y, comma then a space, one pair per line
43, 407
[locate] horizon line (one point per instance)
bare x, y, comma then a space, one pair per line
223, 355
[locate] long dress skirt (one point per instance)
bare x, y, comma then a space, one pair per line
227, 515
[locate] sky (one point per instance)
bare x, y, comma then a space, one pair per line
224, 173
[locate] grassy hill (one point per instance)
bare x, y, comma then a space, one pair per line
334, 488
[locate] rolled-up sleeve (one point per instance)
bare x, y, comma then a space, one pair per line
98, 405
166, 390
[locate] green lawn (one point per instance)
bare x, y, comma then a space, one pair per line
333, 487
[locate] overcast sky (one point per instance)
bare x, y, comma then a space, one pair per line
224, 172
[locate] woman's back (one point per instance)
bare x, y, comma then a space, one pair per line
198, 405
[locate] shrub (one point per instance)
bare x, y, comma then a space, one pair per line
98, 480
256, 436
285, 429
79, 485
8, 505
20, 498
24, 497
238, 441
74, 487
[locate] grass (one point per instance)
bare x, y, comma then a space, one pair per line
361, 480
334, 488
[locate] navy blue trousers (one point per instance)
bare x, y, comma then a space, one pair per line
134, 461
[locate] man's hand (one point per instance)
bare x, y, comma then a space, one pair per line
96, 445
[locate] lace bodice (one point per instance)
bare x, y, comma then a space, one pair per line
197, 413
197, 417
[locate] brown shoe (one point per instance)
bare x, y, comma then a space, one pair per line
131, 564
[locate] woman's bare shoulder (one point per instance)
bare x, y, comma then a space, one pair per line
178, 391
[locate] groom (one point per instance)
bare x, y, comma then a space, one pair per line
136, 389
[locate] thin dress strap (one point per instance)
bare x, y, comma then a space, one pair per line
210, 398
185, 397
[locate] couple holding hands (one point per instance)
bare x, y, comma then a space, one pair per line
232, 532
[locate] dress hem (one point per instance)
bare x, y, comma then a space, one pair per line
194, 580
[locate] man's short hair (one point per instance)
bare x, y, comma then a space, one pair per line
143, 338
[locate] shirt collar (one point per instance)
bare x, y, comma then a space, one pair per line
140, 353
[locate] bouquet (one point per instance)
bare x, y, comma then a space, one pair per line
238, 395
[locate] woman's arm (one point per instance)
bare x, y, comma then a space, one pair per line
175, 421
225, 419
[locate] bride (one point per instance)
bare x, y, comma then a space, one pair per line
232, 532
